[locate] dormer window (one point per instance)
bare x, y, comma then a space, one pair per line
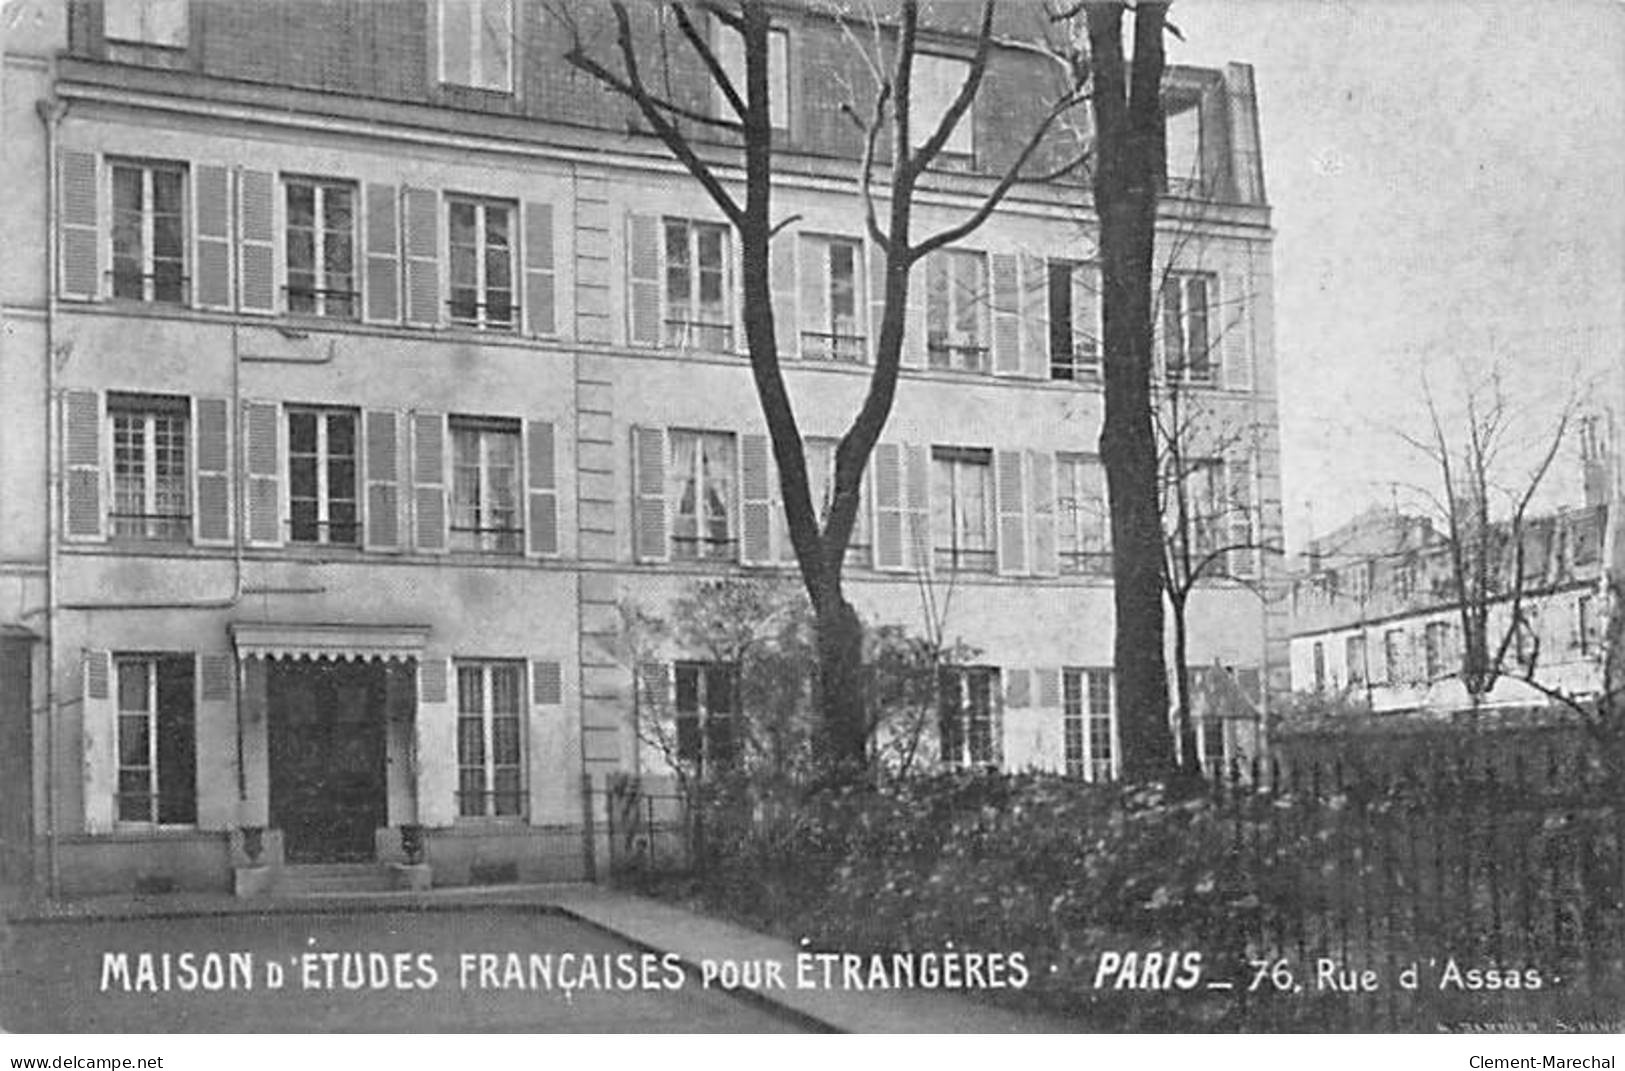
145, 22
1184, 142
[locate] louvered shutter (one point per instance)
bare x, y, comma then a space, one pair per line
1010, 495
643, 280
256, 241
1243, 536
98, 736
917, 492
383, 255
756, 493
435, 729
83, 421
649, 542
877, 294
786, 323
546, 684
211, 287
813, 265
211, 518
1047, 689
891, 518
383, 480
540, 314
79, 231
542, 488
262, 451
429, 481
421, 209
1237, 344
1034, 318
654, 685
1006, 314
1041, 470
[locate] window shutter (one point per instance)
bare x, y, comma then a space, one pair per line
83, 421
643, 280
1017, 688
877, 293
649, 542
383, 480
1237, 322
98, 728
383, 255
256, 241
1047, 688
262, 428
890, 516
917, 480
435, 729
1042, 518
540, 316
756, 493
211, 417
1012, 510
429, 481
546, 684
421, 209
786, 326
1034, 317
217, 674
211, 265
1243, 535
1006, 315
541, 481
813, 265
654, 682
80, 245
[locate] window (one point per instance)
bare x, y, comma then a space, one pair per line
1073, 301
150, 473
730, 52
149, 232
707, 710
490, 715
145, 22
966, 715
1319, 657
1436, 648
820, 455
702, 485
833, 329
482, 249
962, 523
476, 44
321, 248
1089, 724
1354, 659
1184, 142
1212, 745
956, 311
157, 761
1585, 611
1187, 342
1393, 655
935, 83
322, 476
1084, 535
485, 486
1201, 514
698, 262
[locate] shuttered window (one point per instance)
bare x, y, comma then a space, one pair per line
956, 311
967, 716
482, 264
322, 477
1089, 723
698, 286
321, 223
149, 231
831, 313
486, 503
1072, 299
701, 489
156, 740
1188, 346
490, 732
151, 499
707, 708
963, 520
1084, 535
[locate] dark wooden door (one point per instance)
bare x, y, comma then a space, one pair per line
328, 792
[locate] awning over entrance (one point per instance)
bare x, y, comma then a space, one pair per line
347, 643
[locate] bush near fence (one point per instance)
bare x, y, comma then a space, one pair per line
1268, 867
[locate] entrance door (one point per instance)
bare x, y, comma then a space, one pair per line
326, 723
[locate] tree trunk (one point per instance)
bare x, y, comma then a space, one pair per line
1127, 184
1190, 762
843, 720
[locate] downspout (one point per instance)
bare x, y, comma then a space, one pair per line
51, 110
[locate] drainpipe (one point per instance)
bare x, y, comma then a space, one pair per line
51, 110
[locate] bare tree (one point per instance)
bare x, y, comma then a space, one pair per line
886, 118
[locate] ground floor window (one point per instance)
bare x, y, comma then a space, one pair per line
490, 716
1089, 721
707, 713
967, 715
157, 740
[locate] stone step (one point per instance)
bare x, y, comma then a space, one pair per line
317, 879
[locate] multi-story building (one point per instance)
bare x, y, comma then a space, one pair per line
360, 360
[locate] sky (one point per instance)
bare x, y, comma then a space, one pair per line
1447, 182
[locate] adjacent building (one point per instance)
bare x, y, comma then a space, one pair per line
361, 360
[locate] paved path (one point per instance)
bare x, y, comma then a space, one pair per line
44, 986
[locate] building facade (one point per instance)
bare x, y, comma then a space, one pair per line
361, 361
